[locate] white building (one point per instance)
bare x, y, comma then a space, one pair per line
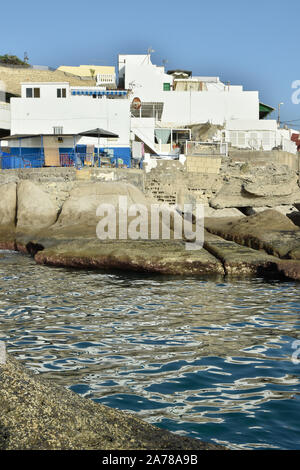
4, 112
151, 110
176, 100
56, 109
259, 135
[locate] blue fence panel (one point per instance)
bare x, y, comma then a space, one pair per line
11, 162
32, 158
15, 161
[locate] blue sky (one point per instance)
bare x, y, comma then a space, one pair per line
255, 43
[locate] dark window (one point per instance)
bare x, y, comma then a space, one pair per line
28, 92
36, 92
61, 93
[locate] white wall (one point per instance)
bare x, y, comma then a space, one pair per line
216, 104
74, 113
254, 125
47, 90
5, 116
185, 107
37, 141
145, 125
145, 79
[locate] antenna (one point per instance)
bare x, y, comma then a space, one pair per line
149, 52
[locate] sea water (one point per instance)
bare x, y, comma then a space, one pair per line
212, 359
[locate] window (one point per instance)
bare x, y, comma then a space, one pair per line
61, 93
167, 86
33, 93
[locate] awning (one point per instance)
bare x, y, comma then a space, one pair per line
99, 92
265, 110
98, 133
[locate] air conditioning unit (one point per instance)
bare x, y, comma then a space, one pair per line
58, 130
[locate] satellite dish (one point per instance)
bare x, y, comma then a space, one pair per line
136, 103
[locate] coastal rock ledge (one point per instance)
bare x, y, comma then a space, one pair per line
36, 414
61, 231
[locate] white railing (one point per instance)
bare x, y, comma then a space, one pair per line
217, 148
106, 78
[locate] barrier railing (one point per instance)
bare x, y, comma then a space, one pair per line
206, 148
9, 162
77, 160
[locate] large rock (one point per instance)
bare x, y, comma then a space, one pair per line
84, 199
8, 208
289, 269
8, 204
164, 257
239, 260
284, 209
269, 230
35, 208
36, 414
228, 212
73, 241
271, 185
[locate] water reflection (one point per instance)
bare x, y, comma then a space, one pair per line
201, 357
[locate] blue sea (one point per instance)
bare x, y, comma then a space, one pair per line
214, 359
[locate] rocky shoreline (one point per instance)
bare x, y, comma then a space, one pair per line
36, 414
266, 243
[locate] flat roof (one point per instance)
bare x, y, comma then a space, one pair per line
45, 83
28, 136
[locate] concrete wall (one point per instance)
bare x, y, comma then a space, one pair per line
75, 114
201, 164
170, 183
62, 175
257, 158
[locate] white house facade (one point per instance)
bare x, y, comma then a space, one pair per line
57, 109
177, 100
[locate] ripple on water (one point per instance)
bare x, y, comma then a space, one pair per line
207, 359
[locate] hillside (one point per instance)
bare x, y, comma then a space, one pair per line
14, 76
